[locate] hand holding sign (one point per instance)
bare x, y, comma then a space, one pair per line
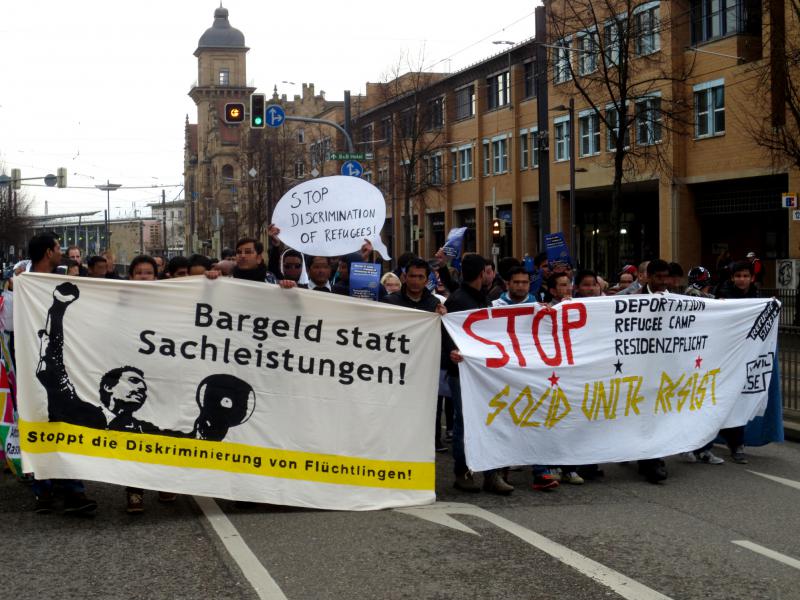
331, 216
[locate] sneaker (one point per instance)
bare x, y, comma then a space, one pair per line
689, 457
544, 482
135, 502
710, 458
44, 504
466, 483
79, 504
167, 497
738, 456
494, 482
572, 477
654, 470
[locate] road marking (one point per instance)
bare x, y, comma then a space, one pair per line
791, 483
262, 582
622, 585
787, 560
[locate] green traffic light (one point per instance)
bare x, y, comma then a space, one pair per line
258, 120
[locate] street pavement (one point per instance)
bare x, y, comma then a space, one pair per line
725, 532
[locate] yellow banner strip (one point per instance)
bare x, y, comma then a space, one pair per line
43, 438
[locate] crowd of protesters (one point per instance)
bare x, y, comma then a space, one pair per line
434, 285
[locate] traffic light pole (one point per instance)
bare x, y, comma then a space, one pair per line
342, 130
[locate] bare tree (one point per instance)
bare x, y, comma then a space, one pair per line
779, 133
415, 110
608, 54
14, 217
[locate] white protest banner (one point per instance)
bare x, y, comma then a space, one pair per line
331, 216
609, 379
227, 388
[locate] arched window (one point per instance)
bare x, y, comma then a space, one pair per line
227, 173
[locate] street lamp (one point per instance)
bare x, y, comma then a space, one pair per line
508, 80
108, 188
571, 111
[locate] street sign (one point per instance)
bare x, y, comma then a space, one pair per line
352, 168
50, 180
347, 156
275, 115
796, 215
789, 200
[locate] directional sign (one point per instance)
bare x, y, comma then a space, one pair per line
275, 115
796, 215
789, 200
352, 168
347, 156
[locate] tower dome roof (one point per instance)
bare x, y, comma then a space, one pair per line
221, 34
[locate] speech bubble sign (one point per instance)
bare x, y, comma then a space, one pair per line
331, 216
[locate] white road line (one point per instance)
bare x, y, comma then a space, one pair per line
251, 567
621, 584
782, 558
790, 482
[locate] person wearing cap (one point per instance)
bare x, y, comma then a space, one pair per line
758, 268
640, 282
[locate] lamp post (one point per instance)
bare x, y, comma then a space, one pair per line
508, 80
571, 133
108, 188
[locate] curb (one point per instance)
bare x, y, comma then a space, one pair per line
791, 431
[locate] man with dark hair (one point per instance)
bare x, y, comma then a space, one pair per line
291, 265
227, 254
468, 296
654, 470
499, 285
45, 254
586, 285
519, 282
97, 267
250, 262
178, 266
342, 285
143, 268
199, 264
319, 273
161, 266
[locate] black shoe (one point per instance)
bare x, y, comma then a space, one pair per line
79, 504
44, 504
440, 447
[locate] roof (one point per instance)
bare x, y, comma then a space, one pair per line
221, 34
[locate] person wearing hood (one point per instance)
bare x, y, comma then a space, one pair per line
518, 291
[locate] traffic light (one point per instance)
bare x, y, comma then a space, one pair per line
16, 179
61, 177
257, 104
498, 230
234, 112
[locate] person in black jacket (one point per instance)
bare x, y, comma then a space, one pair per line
468, 296
740, 285
414, 293
654, 470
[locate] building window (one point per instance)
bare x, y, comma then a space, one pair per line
407, 123
524, 149
436, 113
366, 138
497, 90
709, 108
301, 136
227, 173
487, 159
465, 162
716, 18
299, 169
529, 79
648, 120
615, 38
535, 148
224, 77
386, 130
433, 169
383, 178
454, 165
500, 153
562, 67
465, 102
589, 124
587, 55
646, 23
561, 127
612, 133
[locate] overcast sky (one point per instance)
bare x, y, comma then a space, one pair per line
100, 87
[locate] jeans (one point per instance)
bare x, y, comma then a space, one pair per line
460, 467
44, 487
447, 403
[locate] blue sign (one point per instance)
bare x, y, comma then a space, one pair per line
275, 115
452, 247
352, 168
557, 249
365, 280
